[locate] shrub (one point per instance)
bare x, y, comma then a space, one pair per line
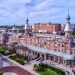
42, 67
1, 73
39, 67
21, 62
18, 58
35, 65
59, 72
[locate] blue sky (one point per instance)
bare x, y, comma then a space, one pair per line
16, 11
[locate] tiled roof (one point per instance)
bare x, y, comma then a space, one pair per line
65, 56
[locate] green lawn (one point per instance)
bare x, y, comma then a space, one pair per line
44, 69
48, 72
19, 58
2, 50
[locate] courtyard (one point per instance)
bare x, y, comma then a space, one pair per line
19, 58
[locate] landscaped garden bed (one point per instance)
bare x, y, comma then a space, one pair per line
43, 69
19, 58
5, 51
1, 72
2, 50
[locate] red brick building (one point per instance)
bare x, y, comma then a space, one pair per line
47, 45
47, 28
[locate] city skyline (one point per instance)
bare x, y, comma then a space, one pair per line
16, 12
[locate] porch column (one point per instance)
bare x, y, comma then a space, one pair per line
54, 59
62, 61
24, 53
40, 55
31, 53
45, 57
73, 63
27, 53
67, 63
59, 60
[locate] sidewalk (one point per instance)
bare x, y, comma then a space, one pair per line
27, 67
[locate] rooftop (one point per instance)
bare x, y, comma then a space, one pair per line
65, 56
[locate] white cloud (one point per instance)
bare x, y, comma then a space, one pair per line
45, 12
15, 11
44, 4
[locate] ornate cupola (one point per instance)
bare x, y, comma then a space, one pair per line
68, 30
68, 18
27, 27
14, 29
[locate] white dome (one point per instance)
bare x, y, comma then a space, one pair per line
14, 28
54, 32
67, 27
26, 27
32, 26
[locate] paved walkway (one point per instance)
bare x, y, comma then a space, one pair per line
15, 69
27, 67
